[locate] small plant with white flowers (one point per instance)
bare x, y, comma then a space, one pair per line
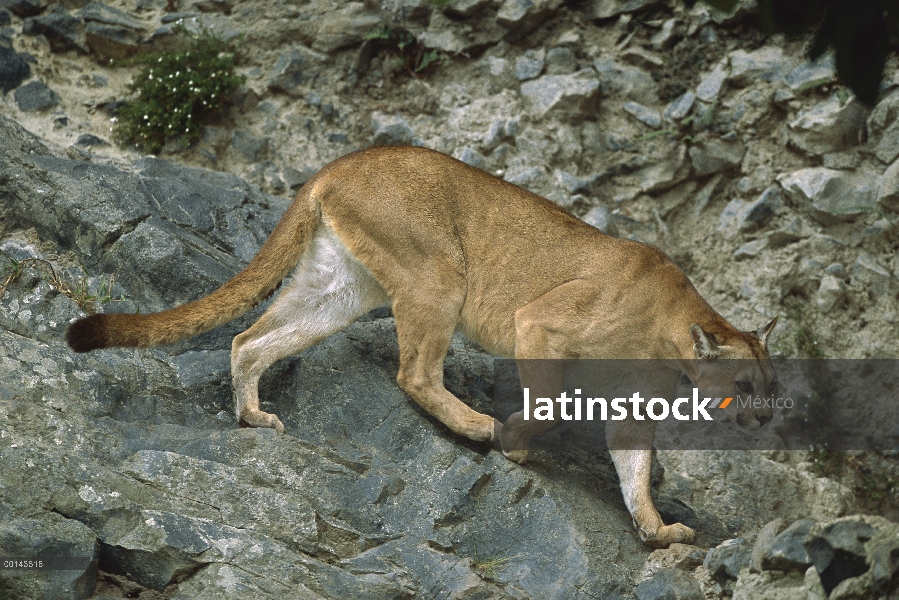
176, 91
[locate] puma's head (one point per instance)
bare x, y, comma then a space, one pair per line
736, 366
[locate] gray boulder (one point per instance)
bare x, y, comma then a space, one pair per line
70, 550
787, 552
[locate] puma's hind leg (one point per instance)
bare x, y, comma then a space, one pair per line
329, 290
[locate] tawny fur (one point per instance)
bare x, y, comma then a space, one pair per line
450, 247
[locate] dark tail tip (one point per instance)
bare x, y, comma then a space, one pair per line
87, 334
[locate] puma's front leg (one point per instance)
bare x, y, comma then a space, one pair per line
633, 467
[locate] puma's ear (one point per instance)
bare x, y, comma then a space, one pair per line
703, 344
763, 333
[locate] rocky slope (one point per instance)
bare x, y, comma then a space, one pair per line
764, 179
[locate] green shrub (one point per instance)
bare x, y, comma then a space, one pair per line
176, 91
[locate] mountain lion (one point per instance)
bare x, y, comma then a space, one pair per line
450, 247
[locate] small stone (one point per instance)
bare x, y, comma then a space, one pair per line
295, 179
841, 160
728, 218
62, 30
811, 74
561, 61
522, 16
662, 38
472, 157
711, 85
497, 66
604, 9
836, 269
642, 58
571, 183
792, 232
495, 135
248, 146
14, 69
782, 96
828, 126
643, 114
345, 26
572, 37
888, 188
601, 218
725, 561
35, 96
390, 130
787, 552
763, 542
831, 293
293, 68
562, 93
529, 177
810, 265
111, 41
767, 63
101, 13
25, 8
714, 155
751, 249
87, 140
669, 584
679, 107
757, 213
630, 82
831, 196
868, 271
530, 65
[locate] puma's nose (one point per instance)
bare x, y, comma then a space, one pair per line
763, 419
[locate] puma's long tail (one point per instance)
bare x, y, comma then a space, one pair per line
274, 261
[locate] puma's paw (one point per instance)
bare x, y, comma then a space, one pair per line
510, 437
261, 419
519, 456
676, 533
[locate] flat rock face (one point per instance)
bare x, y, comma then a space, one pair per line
366, 496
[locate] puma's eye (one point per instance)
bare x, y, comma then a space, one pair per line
744, 386
772, 387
